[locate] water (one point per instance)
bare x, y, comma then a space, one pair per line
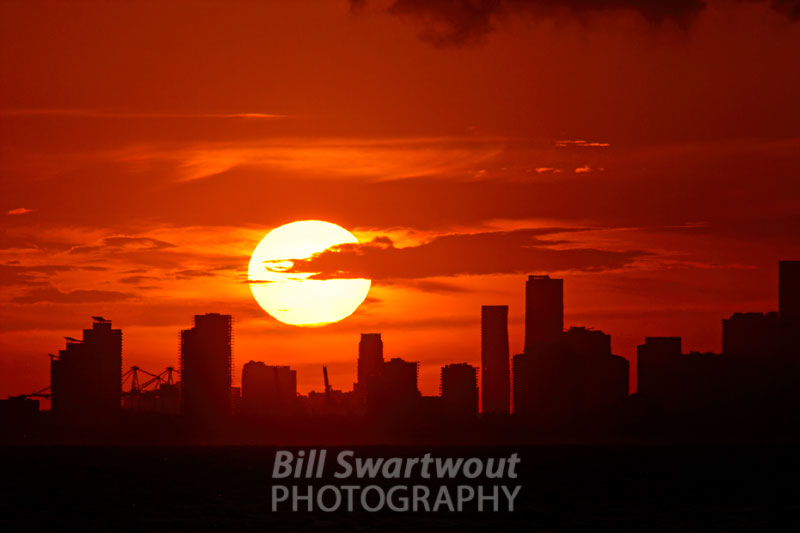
564, 488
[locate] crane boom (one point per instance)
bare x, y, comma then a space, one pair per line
327, 385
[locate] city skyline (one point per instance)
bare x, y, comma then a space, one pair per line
646, 156
400, 265
556, 376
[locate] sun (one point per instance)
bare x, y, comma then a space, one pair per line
292, 298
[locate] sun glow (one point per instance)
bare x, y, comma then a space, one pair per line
292, 298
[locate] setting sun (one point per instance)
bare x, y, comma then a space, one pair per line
292, 298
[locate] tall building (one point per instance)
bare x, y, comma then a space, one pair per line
459, 390
268, 390
205, 358
544, 311
576, 375
395, 390
657, 366
495, 372
370, 360
789, 292
86, 376
751, 335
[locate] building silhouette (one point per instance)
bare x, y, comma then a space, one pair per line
658, 368
575, 375
268, 390
544, 311
394, 392
86, 376
565, 385
495, 375
370, 361
751, 335
458, 387
789, 291
205, 361
789, 307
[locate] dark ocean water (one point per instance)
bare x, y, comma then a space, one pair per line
564, 488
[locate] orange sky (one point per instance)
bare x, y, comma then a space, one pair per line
648, 155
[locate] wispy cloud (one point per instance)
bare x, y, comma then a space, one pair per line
101, 114
19, 211
357, 158
50, 293
581, 144
116, 243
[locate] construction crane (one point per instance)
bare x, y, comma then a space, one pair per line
164, 378
41, 393
327, 385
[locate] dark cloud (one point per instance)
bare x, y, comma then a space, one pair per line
28, 239
193, 273
13, 274
137, 279
136, 243
460, 22
428, 285
499, 252
50, 293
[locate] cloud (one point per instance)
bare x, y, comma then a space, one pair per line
136, 280
462, 22
19, 211
499, 252
581, 144
193, 273
429, 285
14, 274
50, 293
94, 113
137, 243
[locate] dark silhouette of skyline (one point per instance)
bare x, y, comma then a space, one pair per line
395, 391
205, 362
544, 310
370, 361
458, 387
86, 376
268, 390
567, 384
495, 376
571, 376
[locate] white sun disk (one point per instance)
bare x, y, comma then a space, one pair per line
291, 297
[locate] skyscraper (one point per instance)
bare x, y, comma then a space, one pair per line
495, 375
268, 389
789, 292
751, 335
574, 376
370, 360
544, 311
86, 377
657, 364
395, 390
205, 360
459, 389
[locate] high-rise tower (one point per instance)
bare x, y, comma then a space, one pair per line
206, 366
459, 390
86, 376
370, 359
544, 311
495, 371
789, 292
